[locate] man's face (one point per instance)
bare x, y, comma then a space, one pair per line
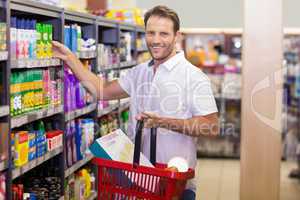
160, 37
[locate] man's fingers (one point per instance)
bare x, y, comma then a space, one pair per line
141, 116
149, 114
59, 55
57, 44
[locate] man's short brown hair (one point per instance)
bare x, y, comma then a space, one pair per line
165, 12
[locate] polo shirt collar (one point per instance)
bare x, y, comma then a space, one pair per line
172, 62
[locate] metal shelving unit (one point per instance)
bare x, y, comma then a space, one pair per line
35, 115
124, 106
36, 162
78, 165
3, 55
128, 64
4, 111
107, 110
38, 63
87, 54
127, 27
108, 68
79, 112
79, 17
58, 17
2, 4
36, 8
93, 196
140, 29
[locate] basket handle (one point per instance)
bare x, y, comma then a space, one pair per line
137, 144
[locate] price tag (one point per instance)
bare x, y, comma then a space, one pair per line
42, 63
51, 111
29, 64
40, 114
21, 63
29, 166
20, 121
36, 63
48, 62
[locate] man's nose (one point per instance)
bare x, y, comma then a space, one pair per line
156, 39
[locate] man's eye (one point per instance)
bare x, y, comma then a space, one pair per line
150, 33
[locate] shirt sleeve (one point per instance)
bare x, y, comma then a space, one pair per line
126, 81
202, 100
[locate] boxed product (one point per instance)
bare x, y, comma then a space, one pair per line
2, 36
21, 146
118, 147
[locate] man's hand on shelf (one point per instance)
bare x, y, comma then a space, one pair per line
62, 52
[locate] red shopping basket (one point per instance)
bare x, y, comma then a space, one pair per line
123, 181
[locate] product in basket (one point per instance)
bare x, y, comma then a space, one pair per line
179, 164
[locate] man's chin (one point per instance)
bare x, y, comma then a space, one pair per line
157, 57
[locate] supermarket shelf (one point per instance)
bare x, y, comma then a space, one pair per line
108, 68
140, 29
201, 154
232, 98
104, 22
79, 112
127, 27
124, 106
79, 17
36, 8
27, 63
34, 163
78, 165
93, 196
127, 64
3, 165
2, 4
35, 115
142, 49
3, 54
4, 110
109, 109
87, 54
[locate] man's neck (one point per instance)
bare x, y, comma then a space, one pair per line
158, 62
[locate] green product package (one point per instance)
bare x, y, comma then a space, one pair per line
12, 94
39, 40
50, 38
125, 116
45, 40
21, 80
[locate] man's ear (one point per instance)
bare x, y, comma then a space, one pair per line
178, 35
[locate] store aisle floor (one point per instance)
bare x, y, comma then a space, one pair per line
218, 179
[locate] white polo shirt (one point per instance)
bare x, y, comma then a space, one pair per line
177, 90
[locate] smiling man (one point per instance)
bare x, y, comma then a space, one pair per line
166, 92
